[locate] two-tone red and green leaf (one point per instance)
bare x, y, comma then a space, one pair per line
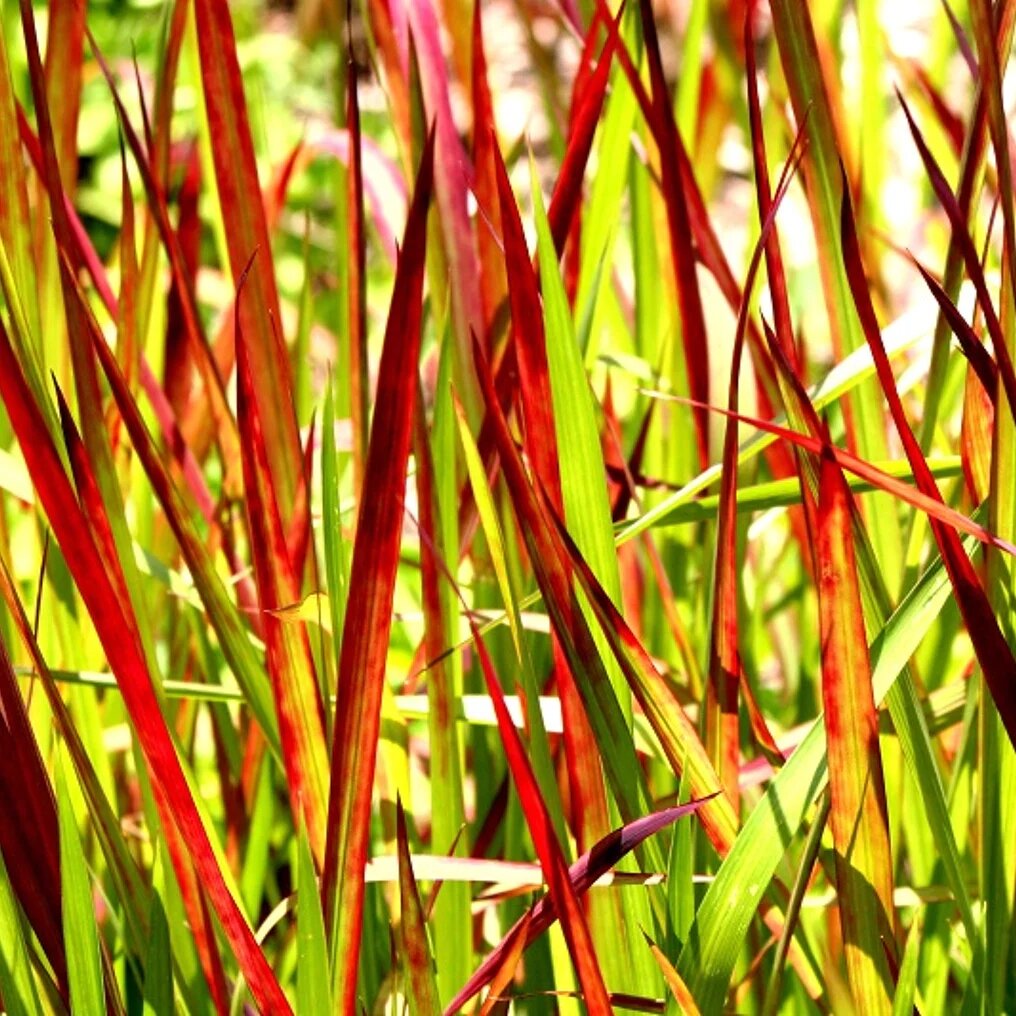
452, 179
86, 381
582, 875
94, 511
65, 49
363, 655
229, 626
421, 985
983, 19
878, 479
809, 89
122, 644
962, 239
858, 815
18, 276
356, 271
118, 860
586, 114
81, 251
587, 509
983, 366
242, 207
298, 704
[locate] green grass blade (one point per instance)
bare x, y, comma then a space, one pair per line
313, 985
17, 985
84, 965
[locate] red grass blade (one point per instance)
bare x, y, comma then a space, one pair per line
589, 809
973, 349
225, 426
240, 196
493, 280
858, 814
554, 557
452, 180
28, 832
725, 671
368, 621
562, 894
64, 55
993, 651
121, 642
356, 259
932, 506
693, 327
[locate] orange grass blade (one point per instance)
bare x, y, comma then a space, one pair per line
858, 814
364, 650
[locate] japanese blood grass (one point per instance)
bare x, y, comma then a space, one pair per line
392, 711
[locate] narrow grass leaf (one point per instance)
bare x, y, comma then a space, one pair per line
693, 328
368, 618
313, 985
879, 478
240, 198
561, 890
415, 944
678, 989
17, 985
298, 704
232, 632
29, 838
158, 987
81, 937
584, 873
126, 658
858, 816
993, 651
